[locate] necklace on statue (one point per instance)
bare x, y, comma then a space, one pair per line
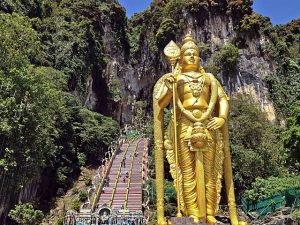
196, 85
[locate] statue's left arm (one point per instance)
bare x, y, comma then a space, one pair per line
222, 103
222, 109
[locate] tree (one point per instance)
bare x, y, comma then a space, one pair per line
291, 140
255, 143
25, 214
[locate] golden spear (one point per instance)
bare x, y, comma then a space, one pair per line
172, 53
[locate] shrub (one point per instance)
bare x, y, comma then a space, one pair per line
296, 215
60, 221
227, 57
166, 32
83, 196
25, 214
76, 205
75, 191
88, 181
264, 188
250, 22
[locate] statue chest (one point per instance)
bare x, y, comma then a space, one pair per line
193, 92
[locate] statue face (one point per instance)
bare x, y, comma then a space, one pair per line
190, 59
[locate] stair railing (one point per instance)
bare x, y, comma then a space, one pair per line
116, 146
130, 174
118, 174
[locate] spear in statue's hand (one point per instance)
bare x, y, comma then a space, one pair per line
172, 52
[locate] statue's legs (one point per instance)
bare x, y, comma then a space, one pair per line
187, 165
210, 185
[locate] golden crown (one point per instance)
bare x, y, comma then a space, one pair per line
188, 43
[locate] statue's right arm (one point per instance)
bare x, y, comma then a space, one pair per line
164, 95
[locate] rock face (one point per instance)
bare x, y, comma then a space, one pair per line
210, 25
9, 194
280, 217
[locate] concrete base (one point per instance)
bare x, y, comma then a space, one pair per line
182, 221
190, 221
185, 221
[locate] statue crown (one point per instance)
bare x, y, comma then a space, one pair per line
188, 43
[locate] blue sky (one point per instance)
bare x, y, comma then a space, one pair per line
280, 11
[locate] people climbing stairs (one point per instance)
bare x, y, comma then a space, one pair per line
116, 195
123, 188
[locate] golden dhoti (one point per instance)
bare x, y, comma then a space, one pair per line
199, 169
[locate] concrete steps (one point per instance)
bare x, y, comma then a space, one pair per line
134, 202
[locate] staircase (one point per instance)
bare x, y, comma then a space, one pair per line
119, 194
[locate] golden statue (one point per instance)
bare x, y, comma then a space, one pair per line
197, 148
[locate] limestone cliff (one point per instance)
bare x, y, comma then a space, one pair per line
212, 25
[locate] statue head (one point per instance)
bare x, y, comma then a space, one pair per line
189, 54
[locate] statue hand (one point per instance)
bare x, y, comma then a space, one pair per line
215, 123
169, 82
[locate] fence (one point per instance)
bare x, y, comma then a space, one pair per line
290, 197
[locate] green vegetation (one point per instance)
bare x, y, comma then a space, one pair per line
25, 214
225, 60
284, 49
49, 50
60, 221
45, 131
83, 196
251, 22
169, 197
88, 181
166, 32
76, 205
255, 143
264, 188
115, 90
291, 141
239, 7
296, 215
284, 87
139, 114
75, 191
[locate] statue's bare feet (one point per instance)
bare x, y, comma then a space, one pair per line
238, 223
196, 219
211, 219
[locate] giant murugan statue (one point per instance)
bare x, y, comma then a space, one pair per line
195, 142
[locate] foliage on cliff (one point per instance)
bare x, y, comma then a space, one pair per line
45, 130
283, 49
163, 19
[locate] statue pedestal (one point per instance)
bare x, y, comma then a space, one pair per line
189, 221
183, 221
